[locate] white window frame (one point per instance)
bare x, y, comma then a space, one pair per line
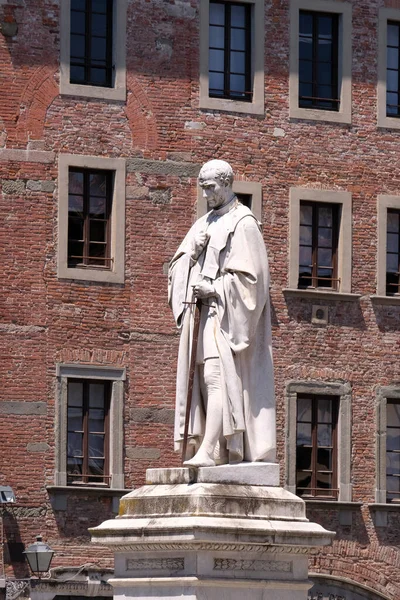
345, 235
252, 188
343, 390
118, 91
66, 372
382, 395
344, 9
116, 272
385, 15
256, 107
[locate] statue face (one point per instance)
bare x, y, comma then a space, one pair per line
214, 191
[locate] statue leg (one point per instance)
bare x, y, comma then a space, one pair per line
211, 392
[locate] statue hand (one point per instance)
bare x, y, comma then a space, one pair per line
200, 242
203, 289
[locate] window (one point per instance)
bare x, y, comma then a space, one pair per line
320, 60
320, 240
89, 211
393, 450
248, 192
89, 445
388, 68
93, 48
88, 431
91, 218
318, 237
388, 259
229, 73
91, 42
232, 55
318, 450
316, 446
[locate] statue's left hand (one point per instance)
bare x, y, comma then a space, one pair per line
203, 289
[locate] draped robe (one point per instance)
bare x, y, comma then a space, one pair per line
235, 261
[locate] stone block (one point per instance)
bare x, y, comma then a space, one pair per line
140, 453
160, 196
266, 474
37, 447
16, 407
13, 186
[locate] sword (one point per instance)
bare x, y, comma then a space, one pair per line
192, 368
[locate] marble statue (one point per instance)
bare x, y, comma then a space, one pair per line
222, 262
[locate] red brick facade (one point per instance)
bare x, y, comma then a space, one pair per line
46, 320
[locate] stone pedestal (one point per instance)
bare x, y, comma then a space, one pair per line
219, 533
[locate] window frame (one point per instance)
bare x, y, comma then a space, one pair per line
85, 476
314, 447
344, 245
116, 272
382, 395
256, 106
385, 202
344, 12
385, 15
116, 377
319, 388
118, 89
249, 188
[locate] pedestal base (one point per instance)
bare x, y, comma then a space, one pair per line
184, 535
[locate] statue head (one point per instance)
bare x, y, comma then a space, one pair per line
215, 179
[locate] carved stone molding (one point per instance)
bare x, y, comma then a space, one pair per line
218, 547
232, 564
157, 564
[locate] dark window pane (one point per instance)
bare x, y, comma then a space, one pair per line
393, 463
99, 50
325, 50
393, 81
100, 6
96, 467
216, 37
392, 34
77, 74
324, 434
392, 103
78, 5
77, 46
305, 214
305, 235
306, 91
78, 22
325, 237
238, 62
75, 444
304, 458
305, 258
216, 60
324, 459
238, 39
75, 419
75, 253
303, 480
98, 184
303, 434
216, 82
75, 230
325, 26
237, 16
393, 414
393, 242
96, 445
393, 488
97, 231
97, 207
324, 73
392, 221
238, 83
305, 49
217, 14
75, 393
98, 76
304, 409
324, 414
324, 257
97, 251
392, 263
325, 216
392, 58
305, 71
99, 25
75, 205
96, 420
306, 23
324, 482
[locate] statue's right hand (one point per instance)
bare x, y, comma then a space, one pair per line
199, 243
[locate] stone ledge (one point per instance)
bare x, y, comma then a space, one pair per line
321, 295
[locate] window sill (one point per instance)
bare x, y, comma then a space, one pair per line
394, 300
314, 114
92, 91
390, 506
321, 295
338, 503
78, 489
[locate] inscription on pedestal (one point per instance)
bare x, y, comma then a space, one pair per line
232, 564
155, 564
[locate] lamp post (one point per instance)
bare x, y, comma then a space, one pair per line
39, 556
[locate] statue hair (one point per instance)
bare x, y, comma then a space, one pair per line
217, 169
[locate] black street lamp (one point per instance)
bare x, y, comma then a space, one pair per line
39, 556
